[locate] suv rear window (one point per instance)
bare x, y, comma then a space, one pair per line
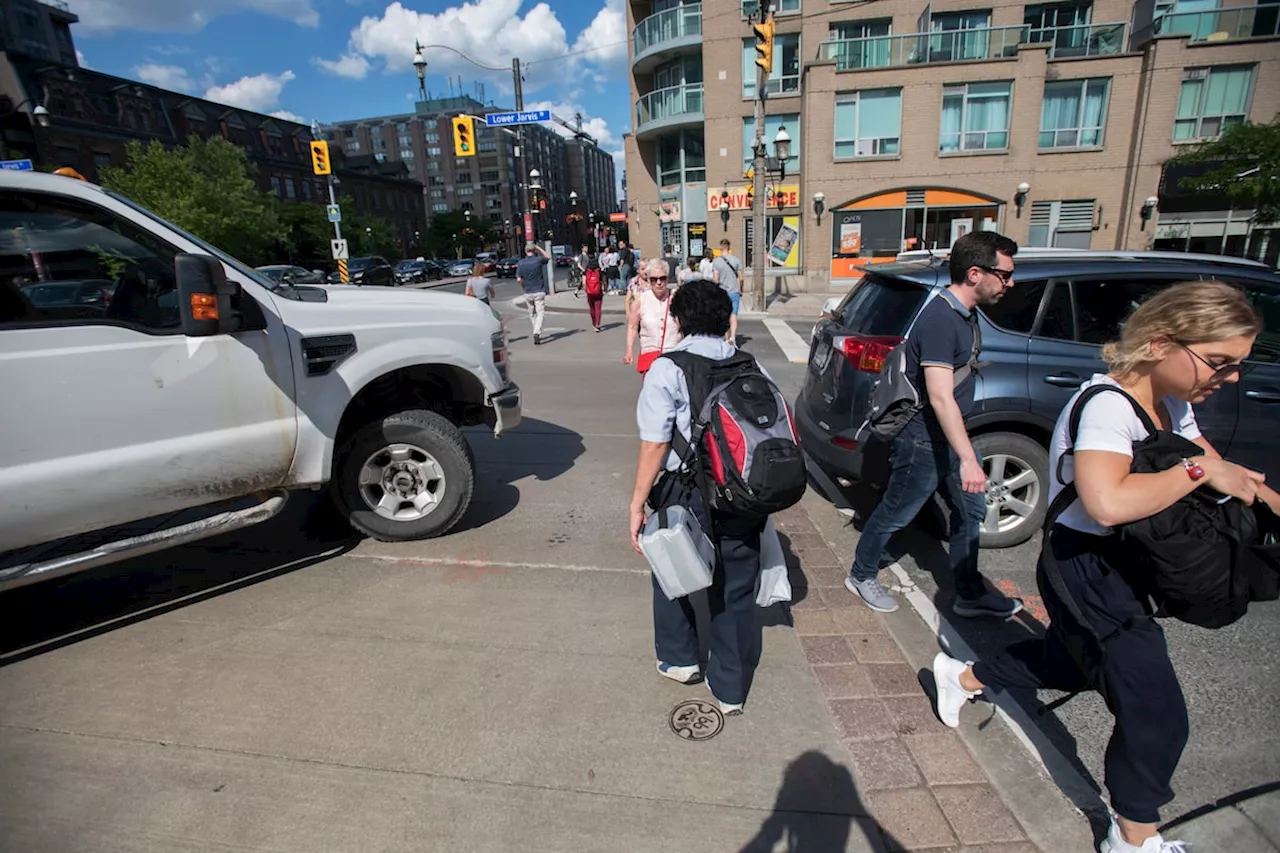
882, 306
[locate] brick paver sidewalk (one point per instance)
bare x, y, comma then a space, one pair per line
916, 777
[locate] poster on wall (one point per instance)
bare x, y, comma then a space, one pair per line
669, 211
783, 249
850, 235
697, 239
960, 227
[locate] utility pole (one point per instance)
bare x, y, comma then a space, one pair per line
522, 178
764, 66
322, 166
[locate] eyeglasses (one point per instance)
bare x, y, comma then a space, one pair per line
1003, 275
1221, 372
657, 278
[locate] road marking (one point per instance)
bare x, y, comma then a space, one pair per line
1068, 780
792, 345
493, 564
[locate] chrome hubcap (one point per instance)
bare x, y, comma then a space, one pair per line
402, 482
1013, 490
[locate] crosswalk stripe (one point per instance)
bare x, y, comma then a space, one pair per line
791, 344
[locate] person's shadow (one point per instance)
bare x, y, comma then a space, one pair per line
816, 811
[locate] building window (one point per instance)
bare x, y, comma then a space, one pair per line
486, 146
1211, 100
1068, 224
306, 190
466, 191
433, 166
402, 126
290, 189
960, 35
491, 176
439, 208
785, 77
348, 133
437, 193
433, 151
868, 123
463, 178
862, 44
771, 124
406, 153
1074, 113
405, 139
436, 181
975, 117
751, 8
380, 156
353, 147
275, 186
433, 138
101, 160
1065, 25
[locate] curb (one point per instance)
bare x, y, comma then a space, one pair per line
784, 315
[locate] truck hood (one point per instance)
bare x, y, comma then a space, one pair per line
353, 306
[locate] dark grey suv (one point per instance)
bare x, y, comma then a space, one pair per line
1040, 342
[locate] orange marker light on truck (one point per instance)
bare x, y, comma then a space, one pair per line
204, 306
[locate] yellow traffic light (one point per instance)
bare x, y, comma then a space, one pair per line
764, 44
464, 136
320, 157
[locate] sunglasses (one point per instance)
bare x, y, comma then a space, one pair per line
1003, 275
657, 278
1221, 372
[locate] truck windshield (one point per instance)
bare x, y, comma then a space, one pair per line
246, 271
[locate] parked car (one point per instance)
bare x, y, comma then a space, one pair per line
1040, 342
290, 274
416, 272
373, 270
486, 260
563, 260
506, 268
251, 391
460, 268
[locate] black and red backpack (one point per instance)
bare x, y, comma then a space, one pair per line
745, 454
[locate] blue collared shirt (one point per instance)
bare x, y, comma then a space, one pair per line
942, 336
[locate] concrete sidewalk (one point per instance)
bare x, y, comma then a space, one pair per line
802, 306
1251, 824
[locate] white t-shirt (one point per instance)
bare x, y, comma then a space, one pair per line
1108, 422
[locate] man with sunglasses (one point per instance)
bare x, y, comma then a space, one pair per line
933, 452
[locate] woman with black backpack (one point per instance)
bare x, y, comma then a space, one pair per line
1177, 348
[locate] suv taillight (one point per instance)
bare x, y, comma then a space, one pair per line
865, 352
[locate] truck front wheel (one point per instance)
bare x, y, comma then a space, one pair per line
407, 476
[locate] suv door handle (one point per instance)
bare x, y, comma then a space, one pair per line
1065, 380
1263, 396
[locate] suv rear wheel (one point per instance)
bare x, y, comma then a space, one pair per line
1017, 487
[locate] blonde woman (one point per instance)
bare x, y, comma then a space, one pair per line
1179, 347
649, 321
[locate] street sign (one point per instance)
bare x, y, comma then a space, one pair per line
529, 117
339, 248
617, 217
335, 212
16, 165
528, 227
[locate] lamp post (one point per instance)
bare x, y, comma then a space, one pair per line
782, 153
724, 209
506, 235
420, 66
819, 205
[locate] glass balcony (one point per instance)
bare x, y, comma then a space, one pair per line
667, 28
1233, 22
1084, 40
671, 107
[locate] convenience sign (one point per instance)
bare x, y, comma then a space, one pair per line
740, 198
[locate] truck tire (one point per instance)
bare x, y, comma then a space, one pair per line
1017, 487
407, 476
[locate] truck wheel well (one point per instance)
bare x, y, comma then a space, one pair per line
450, 391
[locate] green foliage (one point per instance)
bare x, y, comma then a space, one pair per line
452, 235
1244, 166
206, 187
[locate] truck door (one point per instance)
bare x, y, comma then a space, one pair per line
111, 414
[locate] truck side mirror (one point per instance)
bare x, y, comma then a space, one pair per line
204, 296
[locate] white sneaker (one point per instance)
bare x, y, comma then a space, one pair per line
729, 709
1115, 843
682, 674
951, 696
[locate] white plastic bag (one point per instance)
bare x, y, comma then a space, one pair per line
773, 585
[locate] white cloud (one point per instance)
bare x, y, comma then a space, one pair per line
348, 65
605, 38
84, 63
289, 116
172, 77
596, 127
104, 16
258, 93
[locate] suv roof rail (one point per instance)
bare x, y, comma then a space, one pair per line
1113, 254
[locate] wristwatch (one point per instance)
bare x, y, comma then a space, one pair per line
1194, 471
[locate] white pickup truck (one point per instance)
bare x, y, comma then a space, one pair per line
155, 391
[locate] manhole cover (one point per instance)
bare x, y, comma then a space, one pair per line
696, 720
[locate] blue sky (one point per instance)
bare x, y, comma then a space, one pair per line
344, 59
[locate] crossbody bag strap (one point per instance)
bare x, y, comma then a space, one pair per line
1077, 413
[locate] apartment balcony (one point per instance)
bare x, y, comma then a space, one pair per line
668, 109
973, 45
1227, 24
671, 31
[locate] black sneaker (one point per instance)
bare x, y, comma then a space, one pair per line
537, 340
988, 604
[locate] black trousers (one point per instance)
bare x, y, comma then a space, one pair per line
731, 597
1135, 675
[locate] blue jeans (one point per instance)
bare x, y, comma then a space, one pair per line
919, 468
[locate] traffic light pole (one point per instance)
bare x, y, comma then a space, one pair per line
759, 261
522, 179
343, 274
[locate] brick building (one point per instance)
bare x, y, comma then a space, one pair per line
93, 116
917, 122
38, 29
488, 183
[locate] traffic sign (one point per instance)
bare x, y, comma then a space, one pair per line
528, 117
335, 212
16, 165
339, 248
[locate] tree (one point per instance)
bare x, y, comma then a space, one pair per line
1243, 165
452, 232
206, 187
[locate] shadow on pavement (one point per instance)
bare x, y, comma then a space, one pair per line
536, 449
817, 810
46, 616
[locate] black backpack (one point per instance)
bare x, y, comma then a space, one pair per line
744, 455
1202, 560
